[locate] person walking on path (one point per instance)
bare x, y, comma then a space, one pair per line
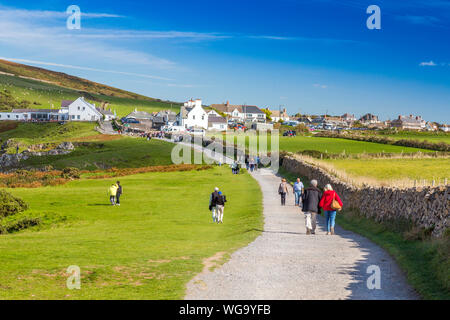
213, 204
282, 191
311, 199
298, 191
220, 206
330, 202
112, 192
119, 193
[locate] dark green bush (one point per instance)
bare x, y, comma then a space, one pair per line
10, 205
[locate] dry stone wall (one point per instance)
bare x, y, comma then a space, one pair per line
425, 207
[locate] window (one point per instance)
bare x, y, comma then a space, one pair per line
193, 117
17, 117
203, 117
84, 108
78, 117
78, 108
73, 117
9, 116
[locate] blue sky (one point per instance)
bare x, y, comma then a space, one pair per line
309, 56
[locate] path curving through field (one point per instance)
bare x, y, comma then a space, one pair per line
285, 263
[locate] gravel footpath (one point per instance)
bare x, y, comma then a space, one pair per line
285, 263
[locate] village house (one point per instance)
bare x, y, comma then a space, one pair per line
410, 123
348, 118
192, 115
78, 110
217, 123
138, 121
241, 113
369, 119
277, 115
81, 110
445, 128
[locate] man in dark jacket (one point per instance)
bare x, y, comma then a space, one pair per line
119, 193
213, 203
311, 199
220, 206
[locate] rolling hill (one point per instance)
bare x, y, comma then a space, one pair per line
34, 87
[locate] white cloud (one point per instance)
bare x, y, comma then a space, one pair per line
47, 14
428, 64
318, 85
422, 20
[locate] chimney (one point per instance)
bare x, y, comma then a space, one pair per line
410, 115
228, 103
399, 117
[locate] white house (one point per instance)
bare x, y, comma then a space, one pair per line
277, 115
445, 128
242, 113
192, 115
81, 110
217, 123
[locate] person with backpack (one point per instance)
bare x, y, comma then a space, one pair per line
119, 193
298, 191
311, 198
112, 192
213, 204
283, 191
330, 203
220, 206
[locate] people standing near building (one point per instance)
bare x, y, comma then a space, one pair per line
213, 204
330, 203
311, 198
283, 191
220, 206
298, 191
112, 192
119, 192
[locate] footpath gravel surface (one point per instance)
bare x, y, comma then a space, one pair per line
285, 263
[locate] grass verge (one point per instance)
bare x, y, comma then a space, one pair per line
425, 261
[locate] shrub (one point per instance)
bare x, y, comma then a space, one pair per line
10, 205
70, 173
21, 224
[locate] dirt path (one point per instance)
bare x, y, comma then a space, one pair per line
285, 263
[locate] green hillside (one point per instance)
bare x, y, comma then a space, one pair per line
25, 86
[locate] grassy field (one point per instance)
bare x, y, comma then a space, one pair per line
47, 96
332, 145
421, 136
395, 169
124, 152
148, 248
37, 133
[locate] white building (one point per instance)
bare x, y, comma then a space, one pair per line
192, 115
217, 123
241, 113
81, 110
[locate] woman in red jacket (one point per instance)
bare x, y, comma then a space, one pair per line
325, 203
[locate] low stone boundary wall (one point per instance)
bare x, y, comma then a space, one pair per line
425, 207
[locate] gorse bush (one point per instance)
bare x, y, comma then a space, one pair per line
70, 173
10, 205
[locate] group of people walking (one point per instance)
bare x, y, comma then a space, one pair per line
114, 192
311, 201
217, 205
